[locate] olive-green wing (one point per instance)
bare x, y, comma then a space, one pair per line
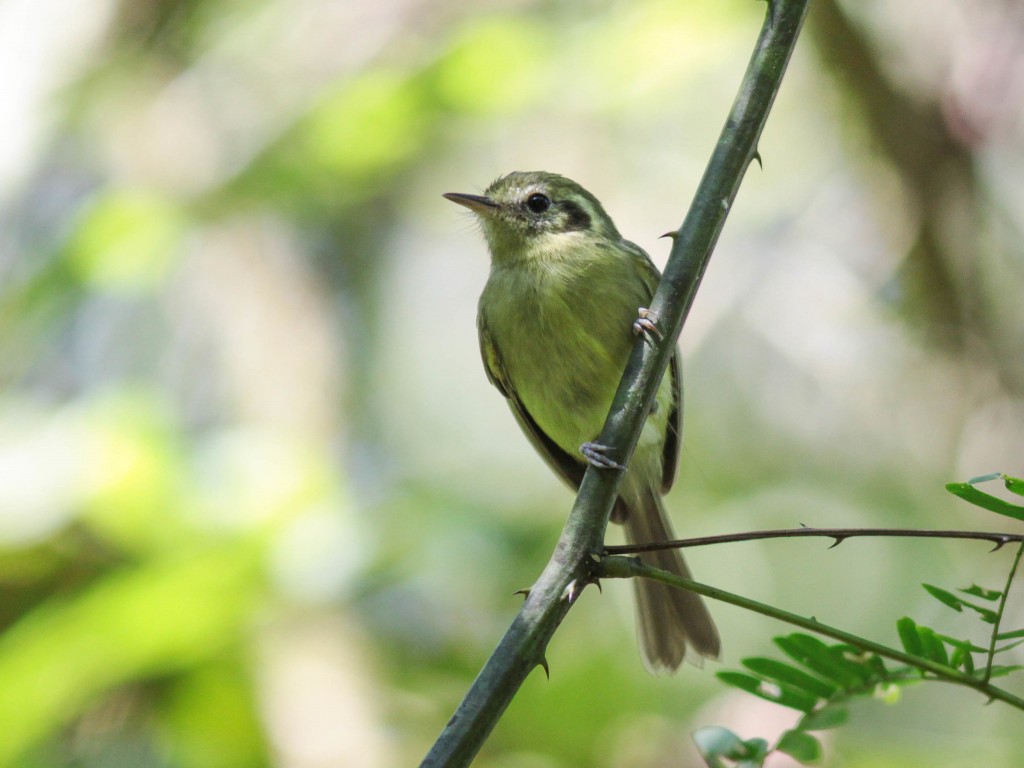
567, 467
674, 427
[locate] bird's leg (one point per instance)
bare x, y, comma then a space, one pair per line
597, 455
645, 326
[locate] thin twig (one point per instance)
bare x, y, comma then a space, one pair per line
838, 534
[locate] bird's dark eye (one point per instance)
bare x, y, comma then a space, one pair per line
538, 203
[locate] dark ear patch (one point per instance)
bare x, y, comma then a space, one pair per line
575, 217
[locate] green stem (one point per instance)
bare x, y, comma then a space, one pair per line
619, 567
999, 612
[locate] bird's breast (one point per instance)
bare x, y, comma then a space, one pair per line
563, 336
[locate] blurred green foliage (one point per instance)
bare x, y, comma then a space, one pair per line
258, 504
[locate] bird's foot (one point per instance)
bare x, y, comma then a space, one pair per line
597, 455
646, 326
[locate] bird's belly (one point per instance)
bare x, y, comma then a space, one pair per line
565, 367
569, 401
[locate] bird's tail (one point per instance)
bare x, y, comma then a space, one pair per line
668, 619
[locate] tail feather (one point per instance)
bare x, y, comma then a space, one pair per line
668, 619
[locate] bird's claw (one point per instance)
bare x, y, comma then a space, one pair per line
597, 455
646, 326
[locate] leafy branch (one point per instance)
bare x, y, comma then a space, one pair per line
819, 679
618, 566
825, 677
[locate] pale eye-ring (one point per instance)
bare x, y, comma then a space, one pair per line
538, 203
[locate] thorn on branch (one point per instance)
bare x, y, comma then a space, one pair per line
525, 592
544, 663
571, 593
592, 569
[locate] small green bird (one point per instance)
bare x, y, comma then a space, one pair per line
555, 321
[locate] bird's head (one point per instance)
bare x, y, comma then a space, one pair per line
536, 215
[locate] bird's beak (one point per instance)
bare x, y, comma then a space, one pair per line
475, 203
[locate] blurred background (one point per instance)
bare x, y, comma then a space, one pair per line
259, 505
